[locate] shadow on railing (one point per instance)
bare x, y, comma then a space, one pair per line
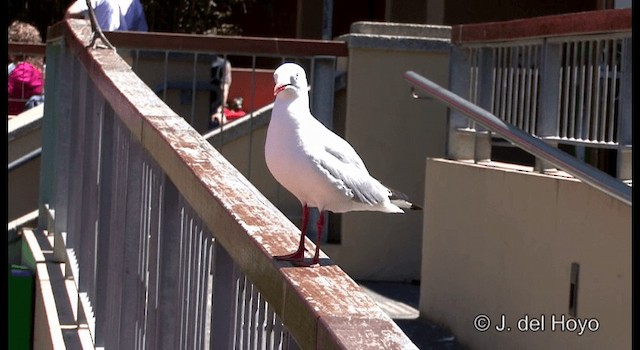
168, 245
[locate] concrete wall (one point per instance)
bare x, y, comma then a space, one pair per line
393, 133
23, 183
502, 242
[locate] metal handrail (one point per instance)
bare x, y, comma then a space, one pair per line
580, 170
24, 159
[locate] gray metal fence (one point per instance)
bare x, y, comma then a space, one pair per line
566, 88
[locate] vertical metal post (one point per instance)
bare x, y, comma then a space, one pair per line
108, 196
55, 136
322, 92
56, 150
625, 116
327, 19
549, 98
323, 70
223, 314
87, 251
131, 245
74, 170
149, 270
484, 95
114, 158
461, 140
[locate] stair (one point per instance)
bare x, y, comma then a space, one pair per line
59, 312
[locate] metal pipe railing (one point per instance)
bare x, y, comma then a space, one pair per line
582, 171
24, 159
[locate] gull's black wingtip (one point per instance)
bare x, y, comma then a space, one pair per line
402, 200
415, 207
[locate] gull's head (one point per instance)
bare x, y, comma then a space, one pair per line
290, 78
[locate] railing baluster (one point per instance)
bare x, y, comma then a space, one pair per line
194, 91
537, 62
611, 115
625, 119
565, 73
597, 94
573, 90
589, 90
605, 91
165, 79
509, 117
503, 83
581, 92
518, 94
495, 83
525, 78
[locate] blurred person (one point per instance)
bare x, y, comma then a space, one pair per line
221, 81
112, 15
25, 73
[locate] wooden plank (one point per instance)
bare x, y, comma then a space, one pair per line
604, 21
228, 44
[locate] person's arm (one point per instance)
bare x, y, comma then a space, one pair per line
76, 10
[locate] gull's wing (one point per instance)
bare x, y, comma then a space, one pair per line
346, 170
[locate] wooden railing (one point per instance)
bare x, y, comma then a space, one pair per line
170, 245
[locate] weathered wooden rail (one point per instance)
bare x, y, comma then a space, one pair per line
171, 245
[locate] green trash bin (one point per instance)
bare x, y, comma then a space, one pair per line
21, 300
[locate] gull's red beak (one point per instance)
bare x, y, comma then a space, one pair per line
279, 88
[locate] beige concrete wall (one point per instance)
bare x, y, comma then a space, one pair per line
23, 184
393, 133
500, 242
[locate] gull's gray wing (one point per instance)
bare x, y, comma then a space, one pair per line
347, 172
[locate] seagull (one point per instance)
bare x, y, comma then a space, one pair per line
321, 169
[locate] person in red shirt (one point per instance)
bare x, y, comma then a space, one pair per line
24, 82
25, 77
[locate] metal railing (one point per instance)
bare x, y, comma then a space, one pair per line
184, 62
529, 143
169, 245
24, 159
565, 79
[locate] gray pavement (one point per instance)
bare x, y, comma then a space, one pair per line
400, 301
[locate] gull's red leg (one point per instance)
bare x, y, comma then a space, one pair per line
299, 254
319, 227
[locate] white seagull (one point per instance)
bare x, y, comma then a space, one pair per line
317, 166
